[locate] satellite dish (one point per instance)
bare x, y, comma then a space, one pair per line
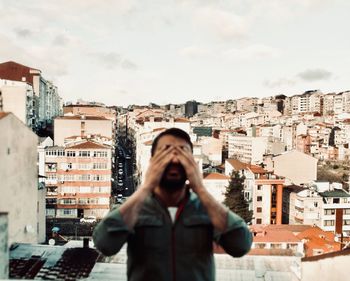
52, 242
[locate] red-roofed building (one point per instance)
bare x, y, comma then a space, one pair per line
316, 241
78, 179
282, 239
46, 92
262, 189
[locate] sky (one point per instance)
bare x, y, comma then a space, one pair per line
123, 52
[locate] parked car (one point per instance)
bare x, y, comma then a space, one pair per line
120, 165
120, 171
89, 219
119, 198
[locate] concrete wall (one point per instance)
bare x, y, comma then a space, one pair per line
19, 179
327, 269
296, 166
217, 188
14, 100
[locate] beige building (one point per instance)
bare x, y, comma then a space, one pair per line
18, 98
78, 180
296, 167
212, 149
21, 196
216, 185
68, 126
247, 149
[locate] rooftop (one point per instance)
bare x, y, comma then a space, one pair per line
215, 176
3, 114
335, 193
81, 117
88, 145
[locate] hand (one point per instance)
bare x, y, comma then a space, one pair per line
194, 176
157, 165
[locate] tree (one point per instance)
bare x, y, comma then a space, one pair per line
234, 197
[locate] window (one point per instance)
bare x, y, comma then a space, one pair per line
84, 153
329, 211
99, 166
346, 222
258, 221
259, 187
346, 211
259, 210
336, 200
315, 204
328, 223
259, 198
70, 153
100, 154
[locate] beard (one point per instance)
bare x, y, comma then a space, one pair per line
170, 183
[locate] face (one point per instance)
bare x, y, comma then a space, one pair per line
174, 176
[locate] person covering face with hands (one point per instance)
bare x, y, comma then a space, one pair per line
171, 221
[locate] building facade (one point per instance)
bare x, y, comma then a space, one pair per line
78, 180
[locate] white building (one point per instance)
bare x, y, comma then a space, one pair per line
50, 104
247, 149
297, 167
216, 185
321, 205
20, 193
18, 98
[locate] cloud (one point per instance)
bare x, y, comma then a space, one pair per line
60, 40
281, 82
127, 64
113, 60
194, 52
257, 51
222, 23
23, 32
315, 75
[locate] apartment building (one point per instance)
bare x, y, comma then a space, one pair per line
247, 149
19, 98
310, 101
325, 205
21, 195
78, 179
211, 149
328, 104
216, 185
267, 200
50, 103
262, 190
76, 125
296, 167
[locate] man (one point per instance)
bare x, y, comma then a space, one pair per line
171, 221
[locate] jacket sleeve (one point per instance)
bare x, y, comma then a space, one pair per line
110, 234
237, 239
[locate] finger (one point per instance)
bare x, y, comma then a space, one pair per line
162, 152
188, 156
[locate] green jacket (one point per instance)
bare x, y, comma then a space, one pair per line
160, 250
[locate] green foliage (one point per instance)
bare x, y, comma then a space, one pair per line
234, 197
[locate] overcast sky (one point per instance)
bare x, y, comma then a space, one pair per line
123, 52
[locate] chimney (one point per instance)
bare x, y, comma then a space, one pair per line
4, 249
